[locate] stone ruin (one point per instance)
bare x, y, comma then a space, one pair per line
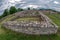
44, 26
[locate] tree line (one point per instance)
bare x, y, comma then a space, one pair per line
10, 11
13, 10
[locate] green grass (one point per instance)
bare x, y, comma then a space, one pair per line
55, 18
28, 19
10, 35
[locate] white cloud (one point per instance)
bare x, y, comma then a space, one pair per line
29, 3
14, 1
56, 2
31, 6
11, 1
58, 9
17, 0
34, 6
45, 1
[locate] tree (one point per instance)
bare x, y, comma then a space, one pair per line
0, 17
28, 8
19, 9
12, 10
5, 13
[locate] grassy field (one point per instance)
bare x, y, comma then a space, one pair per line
9, 35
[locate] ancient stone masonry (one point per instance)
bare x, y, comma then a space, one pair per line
44, 26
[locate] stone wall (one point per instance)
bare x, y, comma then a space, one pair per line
46, 26
30, 27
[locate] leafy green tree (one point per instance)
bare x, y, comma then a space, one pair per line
12, 10
19, 9
5, 13
0, 17
28, 8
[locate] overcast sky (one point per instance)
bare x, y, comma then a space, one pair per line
53, 4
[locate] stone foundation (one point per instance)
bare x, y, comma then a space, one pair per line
31, 27
44, 26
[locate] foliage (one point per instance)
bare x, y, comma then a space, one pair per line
28, 8
5, 13
0, 16
12, 10
19, 9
